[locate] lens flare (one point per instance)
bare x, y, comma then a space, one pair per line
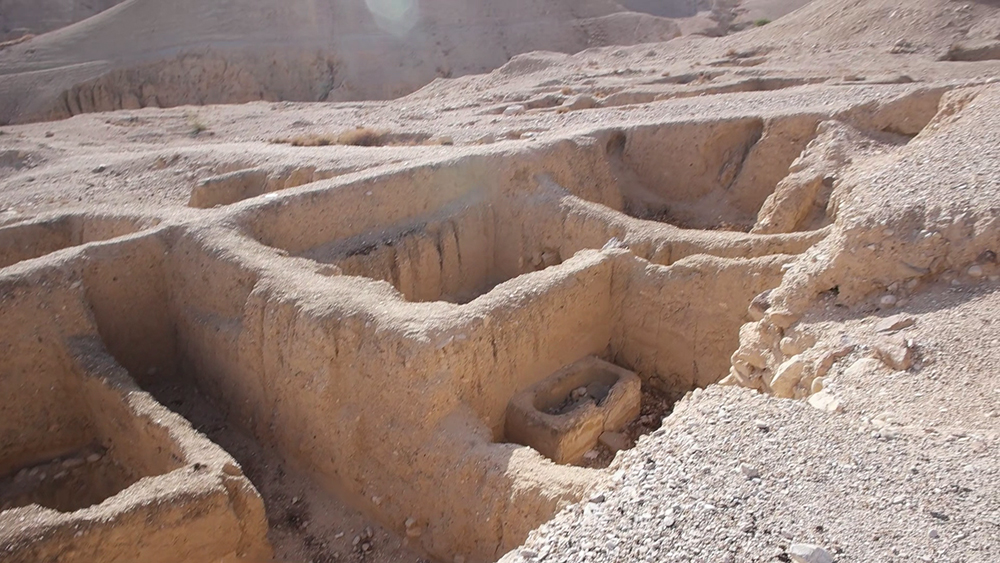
397, 17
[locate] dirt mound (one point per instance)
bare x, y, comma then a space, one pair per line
22, 17
148, 53
930, 26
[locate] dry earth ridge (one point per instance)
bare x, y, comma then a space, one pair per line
315, 331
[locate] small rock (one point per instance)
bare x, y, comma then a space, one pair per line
528, 554
826, 402
94, 458
895, 353
591, 455
598, 499
759, 306
933, 534
578, 102
357, 540
894, 323
783, 319
796, 343
749, 471
99, 169
579, 392
60, 475
412, 530
615, 441
761, 425
808, 553
786, 377
817, 385
887, 301
976, 271
516, 109
73, 462
366, 547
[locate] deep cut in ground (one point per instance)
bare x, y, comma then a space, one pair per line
359, 327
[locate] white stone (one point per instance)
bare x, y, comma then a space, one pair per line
808, 553
826, 402
786, 377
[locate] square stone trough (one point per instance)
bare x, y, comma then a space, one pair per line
564, 415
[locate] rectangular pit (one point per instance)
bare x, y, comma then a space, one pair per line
87, 458
564, 415
454, 255
32, 240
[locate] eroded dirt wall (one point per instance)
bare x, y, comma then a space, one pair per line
41, 416
680, 324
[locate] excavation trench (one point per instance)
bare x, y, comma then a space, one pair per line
369, 342
483, 284
38, 238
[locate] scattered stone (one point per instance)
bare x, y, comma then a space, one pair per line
786, 377
796, 343
412, 529
516, 109
579, 102
615, 441
934, 534
759, 306
826, 402
808, 553
976, 271
73, 462
887, 301
895, 353
100, 168
749, 471
817, 385
783, 319
591, 455
895, 322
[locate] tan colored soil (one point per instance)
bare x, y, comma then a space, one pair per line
295, 329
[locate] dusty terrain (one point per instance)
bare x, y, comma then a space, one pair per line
297, 328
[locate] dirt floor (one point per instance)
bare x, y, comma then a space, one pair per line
306, 325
